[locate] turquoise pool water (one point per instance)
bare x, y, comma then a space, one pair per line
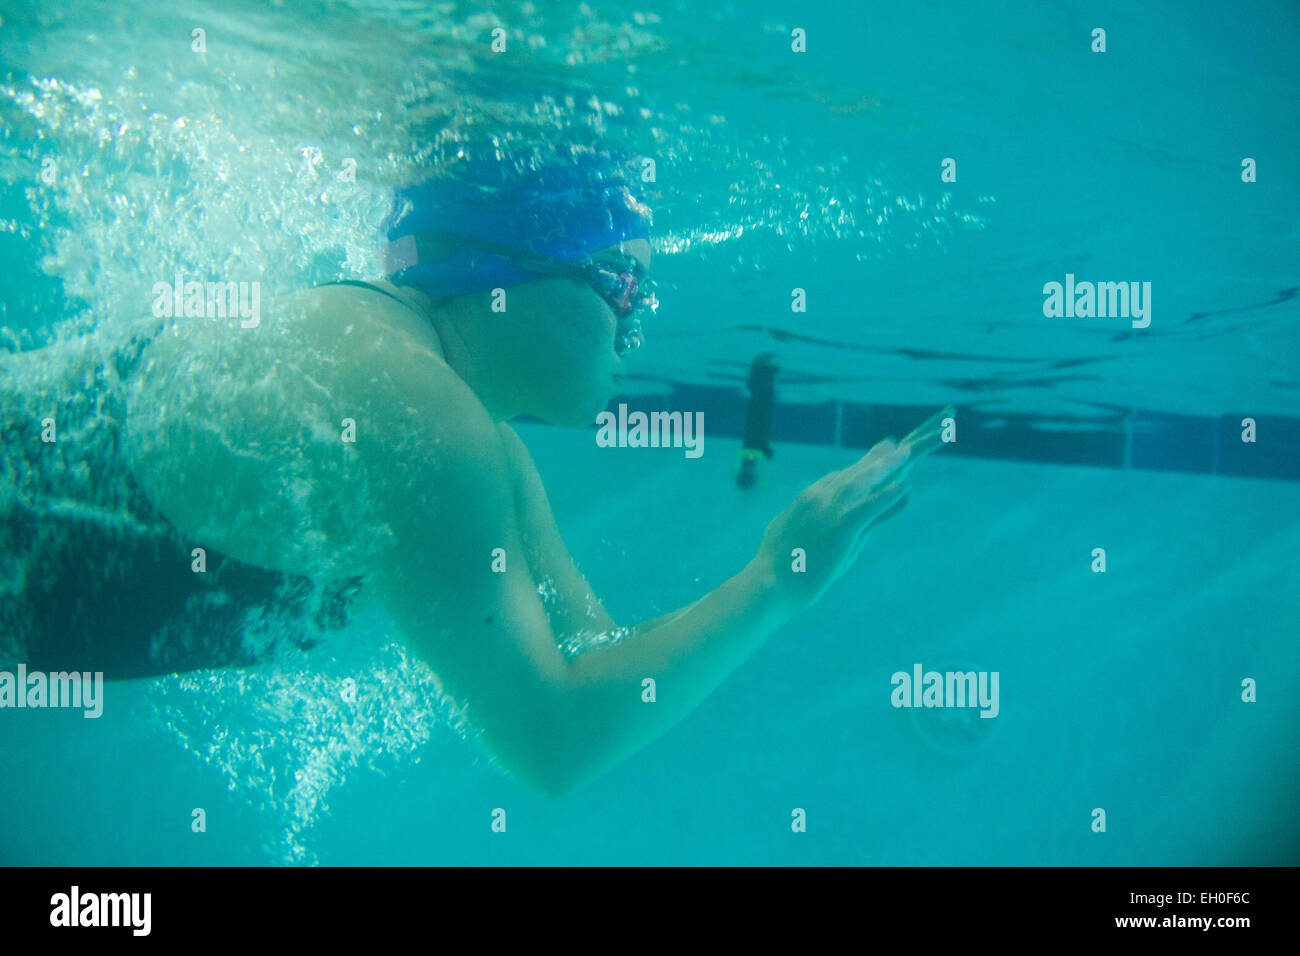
775, 170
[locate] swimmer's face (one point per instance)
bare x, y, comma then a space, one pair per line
573, 338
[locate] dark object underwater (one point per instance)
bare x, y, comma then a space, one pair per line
758, 421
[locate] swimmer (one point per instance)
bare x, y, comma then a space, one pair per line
758, 420
200, 433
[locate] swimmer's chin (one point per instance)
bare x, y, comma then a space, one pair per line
584, 412
583, 417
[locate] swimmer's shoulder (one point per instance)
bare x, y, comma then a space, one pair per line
397, 307
260, 413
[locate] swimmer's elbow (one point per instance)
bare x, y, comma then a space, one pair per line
558, 782
545, 774
563, 747
555, 786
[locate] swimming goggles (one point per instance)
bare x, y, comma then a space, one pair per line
618, 279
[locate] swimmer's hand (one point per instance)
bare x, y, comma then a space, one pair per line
831, 519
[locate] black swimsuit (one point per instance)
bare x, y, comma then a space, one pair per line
94, 578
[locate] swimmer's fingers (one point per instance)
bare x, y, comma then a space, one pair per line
889, 461
928, 436
876, 467
874, 507
898, 503
848, 486
856, 522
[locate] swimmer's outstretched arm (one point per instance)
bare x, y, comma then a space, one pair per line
552, 721
690, 651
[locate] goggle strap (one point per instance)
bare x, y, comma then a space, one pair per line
438, 245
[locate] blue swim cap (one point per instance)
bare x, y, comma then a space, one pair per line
561, 211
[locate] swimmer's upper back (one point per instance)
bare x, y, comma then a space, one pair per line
263, 441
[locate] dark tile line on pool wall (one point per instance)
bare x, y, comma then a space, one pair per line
1157, 441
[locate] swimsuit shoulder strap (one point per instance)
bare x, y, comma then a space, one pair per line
386, 288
